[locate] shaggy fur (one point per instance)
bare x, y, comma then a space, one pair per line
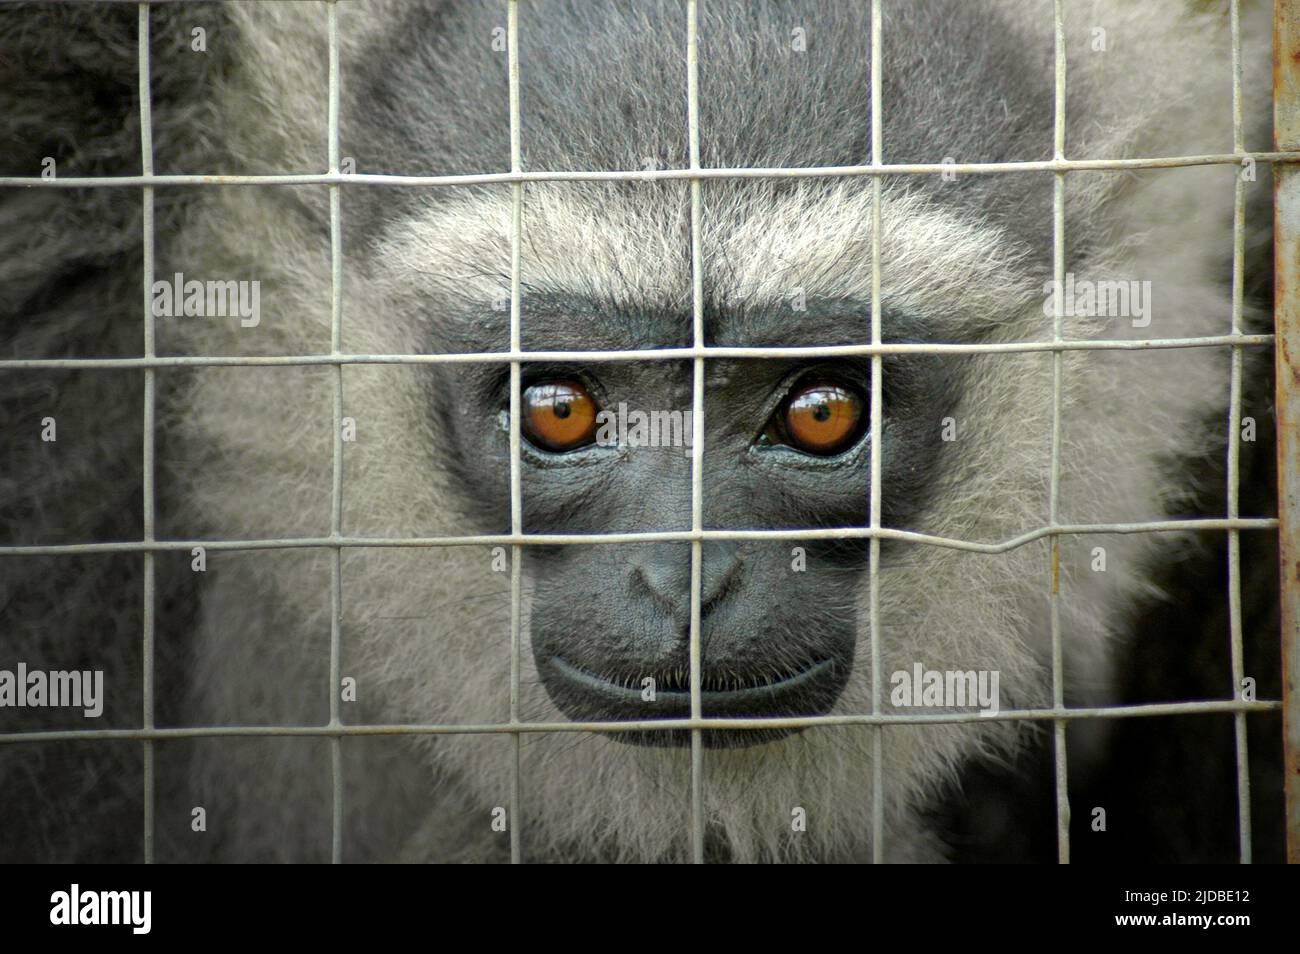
246, 452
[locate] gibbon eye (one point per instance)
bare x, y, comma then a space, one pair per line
820, 419
558, 416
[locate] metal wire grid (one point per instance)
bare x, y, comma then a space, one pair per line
1234, 446
1054, 490
335, 730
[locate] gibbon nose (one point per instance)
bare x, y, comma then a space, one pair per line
663, 572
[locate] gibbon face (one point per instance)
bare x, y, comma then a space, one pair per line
787, 442
605, 447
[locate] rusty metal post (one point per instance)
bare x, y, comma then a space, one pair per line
1286, 285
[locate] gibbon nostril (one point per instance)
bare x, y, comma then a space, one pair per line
665, 573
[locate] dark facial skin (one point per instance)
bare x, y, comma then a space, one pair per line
608, 617
775, 640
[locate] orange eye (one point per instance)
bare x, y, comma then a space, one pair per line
821, 419
558, 415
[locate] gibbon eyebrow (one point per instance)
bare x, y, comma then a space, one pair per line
600, 324
817, 321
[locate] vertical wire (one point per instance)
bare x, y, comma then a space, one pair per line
147, 620
336, 484
1234, 446
877, 398
516, 490
1058, 273
697, 425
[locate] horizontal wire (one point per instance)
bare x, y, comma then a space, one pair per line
646, 536
632, 537
652, 175
646, 354
756, 723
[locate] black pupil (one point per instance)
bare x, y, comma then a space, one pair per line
561, 409
823, 412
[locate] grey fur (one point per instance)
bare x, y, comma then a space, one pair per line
247, 452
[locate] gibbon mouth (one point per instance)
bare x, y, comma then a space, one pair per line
584, 695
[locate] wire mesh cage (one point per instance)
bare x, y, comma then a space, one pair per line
149, 548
